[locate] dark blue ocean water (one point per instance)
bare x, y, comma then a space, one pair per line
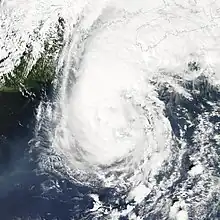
24, 192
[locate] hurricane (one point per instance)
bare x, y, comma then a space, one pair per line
133, 115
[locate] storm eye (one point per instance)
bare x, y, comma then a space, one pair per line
193, 66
